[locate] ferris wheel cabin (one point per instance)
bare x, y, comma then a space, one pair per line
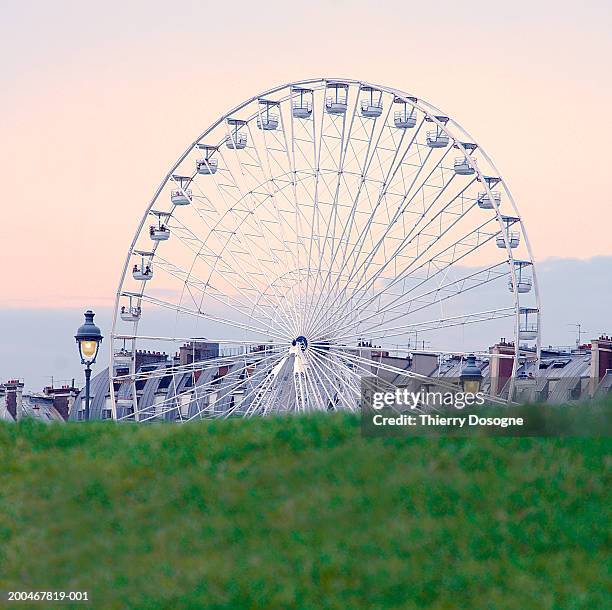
524, 281
465, 166
181, 197
528, 323
208, 165
462, 167
236, 139
513, 237
487, 203
336, 98
122, 358
143, 270
266, 119
371, 103
406, 116
130, 312
437, 138
141, 273
301, 106
159, 231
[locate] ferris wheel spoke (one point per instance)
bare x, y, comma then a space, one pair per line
318, 381
403, 207
405, 374
229, 387
297, 217
323, 369
462, 285
363, 168
272, 387
349, 227
325, 290
335, 160
269, 180
381, 332
252, 384
268, 234
203, 365
316, 216
237, 270
259, 387
432, 268
204, 315
247, 243
378, 365
362, 269
459, 249
223, 298
462, 247
349, 366
338, 368
198, 390
331, 391
229, 392
393, 168
274, 382
316, 388
337, 166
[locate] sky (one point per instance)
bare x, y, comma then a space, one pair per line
98, 100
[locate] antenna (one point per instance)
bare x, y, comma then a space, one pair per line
578, 326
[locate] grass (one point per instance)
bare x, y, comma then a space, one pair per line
302, 512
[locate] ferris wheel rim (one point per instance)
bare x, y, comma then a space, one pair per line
418, 103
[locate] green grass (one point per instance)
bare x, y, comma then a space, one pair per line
302, 512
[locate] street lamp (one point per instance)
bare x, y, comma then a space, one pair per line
471, 376
88, 339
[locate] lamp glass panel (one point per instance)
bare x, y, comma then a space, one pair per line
88, 349
471, 386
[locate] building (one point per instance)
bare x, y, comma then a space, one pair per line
168, 388
15, 404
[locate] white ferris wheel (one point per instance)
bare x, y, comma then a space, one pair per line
306, 233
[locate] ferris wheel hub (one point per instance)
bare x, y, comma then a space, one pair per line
300, 341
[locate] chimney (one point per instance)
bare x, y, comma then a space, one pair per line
14, 398
3, 401
500, 368
601, 360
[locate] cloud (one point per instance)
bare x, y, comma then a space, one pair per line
37, 343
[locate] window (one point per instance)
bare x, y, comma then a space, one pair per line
159, 408
107, 411
184, 401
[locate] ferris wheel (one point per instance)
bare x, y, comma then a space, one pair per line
306, 234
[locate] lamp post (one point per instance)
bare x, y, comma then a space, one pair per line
471, 376
88, 339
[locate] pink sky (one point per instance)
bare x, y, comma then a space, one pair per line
97, 105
